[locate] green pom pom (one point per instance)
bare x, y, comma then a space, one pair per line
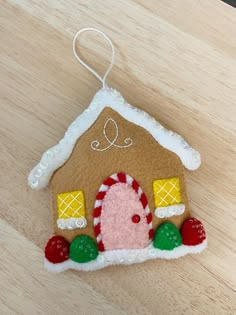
167, 237
83, 249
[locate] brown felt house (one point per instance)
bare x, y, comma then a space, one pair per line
116, 175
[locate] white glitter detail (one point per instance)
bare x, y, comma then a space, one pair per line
152, 252
71, 223
169, 211
126, 257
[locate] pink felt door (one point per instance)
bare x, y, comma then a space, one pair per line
123, 220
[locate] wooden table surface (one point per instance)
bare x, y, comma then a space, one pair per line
174, 59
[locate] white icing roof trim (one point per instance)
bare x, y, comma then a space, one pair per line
55, 157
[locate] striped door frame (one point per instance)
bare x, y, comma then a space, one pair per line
112, 180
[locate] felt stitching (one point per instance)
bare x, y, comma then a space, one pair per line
55, 157
68, 205
95, 144
71, 210
169, 211
110, 181
167, 192
126, 257
75, 211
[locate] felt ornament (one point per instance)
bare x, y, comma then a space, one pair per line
118, 188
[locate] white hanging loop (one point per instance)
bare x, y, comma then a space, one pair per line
102, 79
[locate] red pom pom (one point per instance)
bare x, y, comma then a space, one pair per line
57, 250
136, 218
192, 232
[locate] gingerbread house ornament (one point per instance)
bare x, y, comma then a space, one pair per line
118, 188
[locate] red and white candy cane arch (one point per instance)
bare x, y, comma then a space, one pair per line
111, 180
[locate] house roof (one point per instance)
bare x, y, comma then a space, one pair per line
56, 156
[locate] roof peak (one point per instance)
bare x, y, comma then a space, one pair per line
56, 156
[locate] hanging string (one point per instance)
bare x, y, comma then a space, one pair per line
90, 29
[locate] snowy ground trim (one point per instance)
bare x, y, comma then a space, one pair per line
126, 257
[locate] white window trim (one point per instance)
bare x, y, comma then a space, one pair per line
169, 211
71, 223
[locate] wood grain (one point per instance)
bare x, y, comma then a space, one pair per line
177, 61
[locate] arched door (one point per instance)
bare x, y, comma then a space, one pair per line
122, 219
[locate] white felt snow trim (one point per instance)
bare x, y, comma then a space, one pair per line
107, 97
126, 257
71, 223
95, 144
169, 211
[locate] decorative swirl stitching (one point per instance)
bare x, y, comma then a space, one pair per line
95, 144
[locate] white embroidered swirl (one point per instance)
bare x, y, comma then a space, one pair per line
96, 144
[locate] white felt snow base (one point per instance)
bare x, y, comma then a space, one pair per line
126, 257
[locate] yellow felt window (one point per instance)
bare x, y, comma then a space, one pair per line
167, 192
71, 205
